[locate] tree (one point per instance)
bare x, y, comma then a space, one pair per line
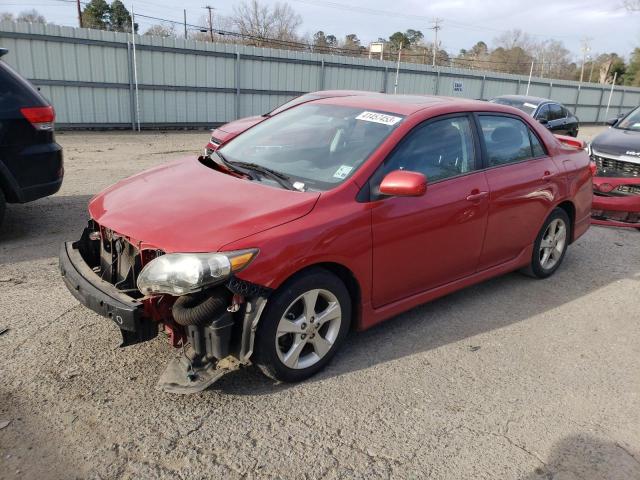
119, 17
414, 36
398, 40
96, 15
161, 31
263, 23
609, 65
351, 42
514, 38
6, 17
632, 75
100, 15
320, 42
31, 16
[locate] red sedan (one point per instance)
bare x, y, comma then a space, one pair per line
334, 215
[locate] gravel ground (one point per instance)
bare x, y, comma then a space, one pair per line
513, 378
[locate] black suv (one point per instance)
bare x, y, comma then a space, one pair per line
555, 116
30, 159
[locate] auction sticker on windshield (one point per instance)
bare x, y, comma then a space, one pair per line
378, 118
343, 171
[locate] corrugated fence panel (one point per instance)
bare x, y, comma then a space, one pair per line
493, 88
89, 75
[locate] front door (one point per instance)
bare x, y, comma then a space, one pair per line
422, 242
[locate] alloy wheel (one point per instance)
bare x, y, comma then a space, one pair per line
553, 244
308, 329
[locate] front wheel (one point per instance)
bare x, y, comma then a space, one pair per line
550, 245
303, 326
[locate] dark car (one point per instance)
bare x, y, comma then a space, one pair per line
616, 186
30, 159
338, 213
553, 115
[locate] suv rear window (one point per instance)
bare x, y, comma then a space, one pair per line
15, 92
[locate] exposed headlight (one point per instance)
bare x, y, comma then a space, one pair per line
182, 273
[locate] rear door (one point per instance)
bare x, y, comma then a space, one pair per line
422, 242
523, 182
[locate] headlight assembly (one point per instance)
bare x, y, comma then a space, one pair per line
182, 273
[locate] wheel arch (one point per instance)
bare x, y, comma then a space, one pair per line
570, 210
347, 277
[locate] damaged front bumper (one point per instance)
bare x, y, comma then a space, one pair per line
217, 344
104, 298
616, 202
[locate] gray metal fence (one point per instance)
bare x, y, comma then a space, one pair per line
88, 76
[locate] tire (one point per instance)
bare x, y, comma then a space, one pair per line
3, 206
546, 260
291, 344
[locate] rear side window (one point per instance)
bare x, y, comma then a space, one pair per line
555, 112
15, 92
508, 140
543, 113
438, 149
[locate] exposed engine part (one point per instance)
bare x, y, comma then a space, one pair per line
200, 308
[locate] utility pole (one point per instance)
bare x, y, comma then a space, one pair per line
530, 74
185, 23
585, 49
210, 22
395, 86
79, 13
436, 26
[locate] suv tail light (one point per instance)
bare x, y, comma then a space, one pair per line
40, 117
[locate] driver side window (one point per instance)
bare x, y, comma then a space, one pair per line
438, 149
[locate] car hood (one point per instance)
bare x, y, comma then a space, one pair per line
239, 126
186, 206
618, 142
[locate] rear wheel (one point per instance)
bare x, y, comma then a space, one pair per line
303, 326
550, 245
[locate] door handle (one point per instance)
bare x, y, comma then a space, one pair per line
475, 197
547, 176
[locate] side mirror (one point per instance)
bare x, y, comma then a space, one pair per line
403, 183
543, 121
612, 121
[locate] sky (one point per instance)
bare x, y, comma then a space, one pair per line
605, 23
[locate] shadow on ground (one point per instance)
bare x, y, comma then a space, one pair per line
584, 457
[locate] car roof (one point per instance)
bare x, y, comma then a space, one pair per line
400, 104
528, 99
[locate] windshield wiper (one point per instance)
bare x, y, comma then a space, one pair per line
281, 178
230, 166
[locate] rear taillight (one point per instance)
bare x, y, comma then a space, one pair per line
40, 117
593, 168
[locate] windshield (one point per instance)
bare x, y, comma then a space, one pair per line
315, 144
631, 121
525, 106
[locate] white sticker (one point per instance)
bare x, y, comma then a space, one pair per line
343, 171
530, 105
378, 118
298, 186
